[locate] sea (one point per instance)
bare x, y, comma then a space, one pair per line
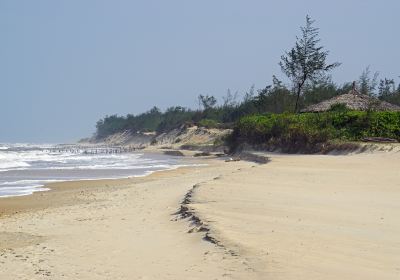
27, 168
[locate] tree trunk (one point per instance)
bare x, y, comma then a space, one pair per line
297, 98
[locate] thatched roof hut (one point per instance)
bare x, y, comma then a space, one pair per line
353, 101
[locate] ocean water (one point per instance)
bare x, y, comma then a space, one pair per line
26, 168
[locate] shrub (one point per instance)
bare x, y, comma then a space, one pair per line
207, 123
339, 107
293, 132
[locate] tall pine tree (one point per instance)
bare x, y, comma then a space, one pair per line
306, 61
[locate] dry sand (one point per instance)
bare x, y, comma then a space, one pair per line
297, 217
310, 217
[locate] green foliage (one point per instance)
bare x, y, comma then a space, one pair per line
207, 123
144, 122
174, 117
321, 90
387, 91
306, 66
294, 132
275, 98
366, 83
109, 125
339, 107
206, 101
306, 61
153, 120
393, 97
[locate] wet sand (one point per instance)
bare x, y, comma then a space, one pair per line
112, 229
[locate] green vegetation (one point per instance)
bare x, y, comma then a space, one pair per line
307, 132
207, 123
268, 116
306, 61
153, 120
275, 98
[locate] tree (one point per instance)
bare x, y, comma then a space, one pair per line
366, 83
319, 90
275, 98
307, 60
387, 91
230, 99
249, 95
386, 87
207, 102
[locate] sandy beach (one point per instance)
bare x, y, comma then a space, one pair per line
296, 217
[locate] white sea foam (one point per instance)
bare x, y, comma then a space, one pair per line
27, 182
8, 165
4, 192
25, 168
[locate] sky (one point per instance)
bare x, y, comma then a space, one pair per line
65, 64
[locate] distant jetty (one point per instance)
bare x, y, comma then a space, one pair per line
92, 149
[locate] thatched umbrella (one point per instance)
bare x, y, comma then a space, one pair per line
353, 101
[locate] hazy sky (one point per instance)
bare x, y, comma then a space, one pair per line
65, 64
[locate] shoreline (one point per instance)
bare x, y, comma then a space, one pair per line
296, 217
124, 228
41, 199
13, 204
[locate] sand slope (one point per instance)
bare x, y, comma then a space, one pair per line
310, 217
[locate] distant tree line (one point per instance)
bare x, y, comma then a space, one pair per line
306, 67
274, 98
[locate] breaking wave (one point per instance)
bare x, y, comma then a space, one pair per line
26, 168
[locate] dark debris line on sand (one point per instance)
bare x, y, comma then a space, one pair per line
198, 225
185, 212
